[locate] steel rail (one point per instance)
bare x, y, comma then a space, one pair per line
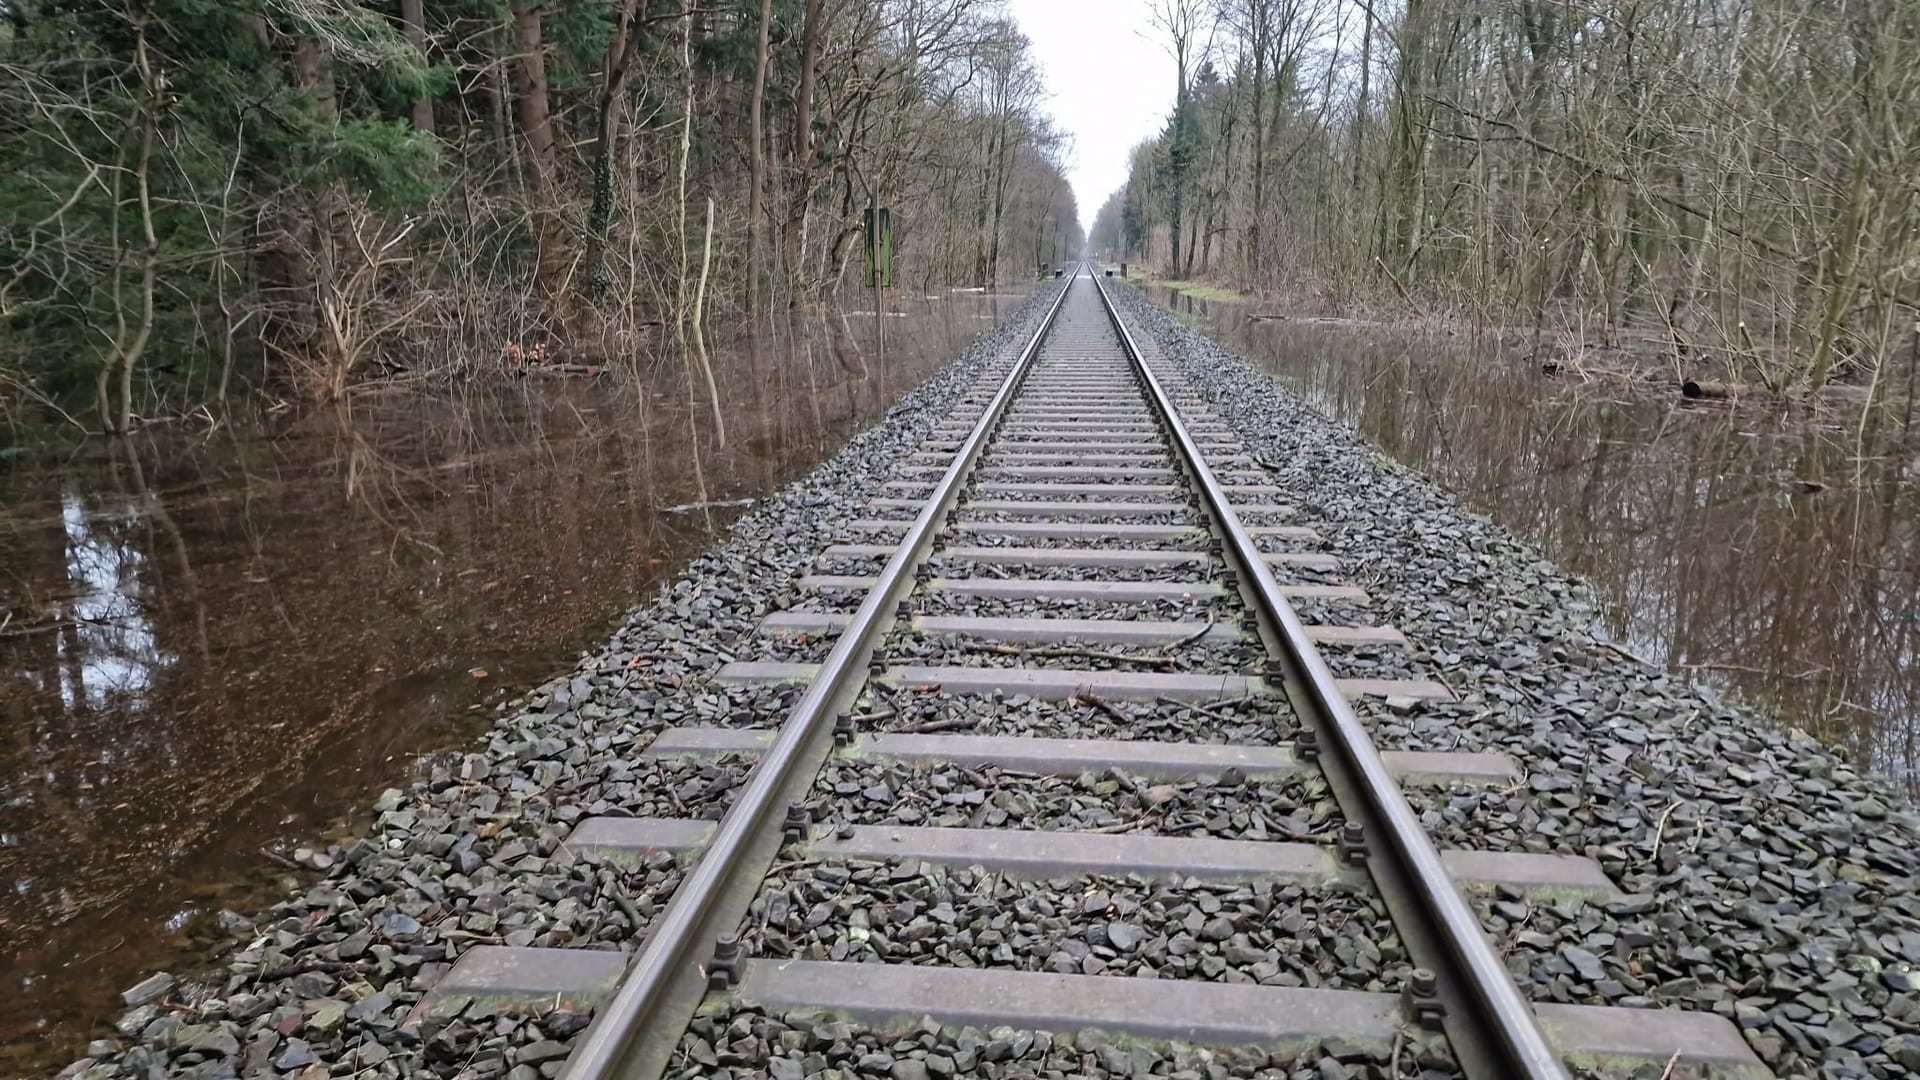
678, 938
1521, 1049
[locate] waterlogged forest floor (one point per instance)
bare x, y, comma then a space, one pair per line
219, 647
1773, 552
1637, 359
1200, 290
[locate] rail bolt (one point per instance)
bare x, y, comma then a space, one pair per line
876, 666
1422, 999
843, 729
797, 825
1215, 548
1273, 670
1229, 579
723, 970
1353, 843
903, 610
922, 574
1306, 746
1249, 622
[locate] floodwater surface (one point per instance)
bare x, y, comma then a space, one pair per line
1775, 552
215, 644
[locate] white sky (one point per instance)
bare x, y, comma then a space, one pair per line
1109, 85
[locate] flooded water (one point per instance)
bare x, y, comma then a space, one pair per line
1773, 553
212, 644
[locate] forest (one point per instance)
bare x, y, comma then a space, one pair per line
281, 200
1723, 186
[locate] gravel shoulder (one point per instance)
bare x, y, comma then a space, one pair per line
1768, 879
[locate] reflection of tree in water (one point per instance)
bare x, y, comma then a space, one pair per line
84, 703
109, 653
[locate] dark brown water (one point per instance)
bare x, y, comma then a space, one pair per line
215, 643
1777, 553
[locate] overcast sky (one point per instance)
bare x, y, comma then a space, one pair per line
1109, 85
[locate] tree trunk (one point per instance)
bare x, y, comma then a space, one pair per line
1409, 145
1366, 85
117, 416
297, 271
499, 130
982, 200
756, 211
552, 259
1181, 166
1194, 230
413, 14
800, 199
1255, 257
622, 44
1001, 174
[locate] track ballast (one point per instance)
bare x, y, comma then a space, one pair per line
1069, 790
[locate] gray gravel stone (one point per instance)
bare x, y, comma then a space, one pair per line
902, 913
945, 795
151, 988
805, 1046
1250, 721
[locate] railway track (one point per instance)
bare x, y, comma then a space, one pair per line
1066, 757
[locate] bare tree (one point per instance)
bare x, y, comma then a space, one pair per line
1182, 23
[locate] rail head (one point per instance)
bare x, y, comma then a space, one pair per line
683, 936
1505, 1017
